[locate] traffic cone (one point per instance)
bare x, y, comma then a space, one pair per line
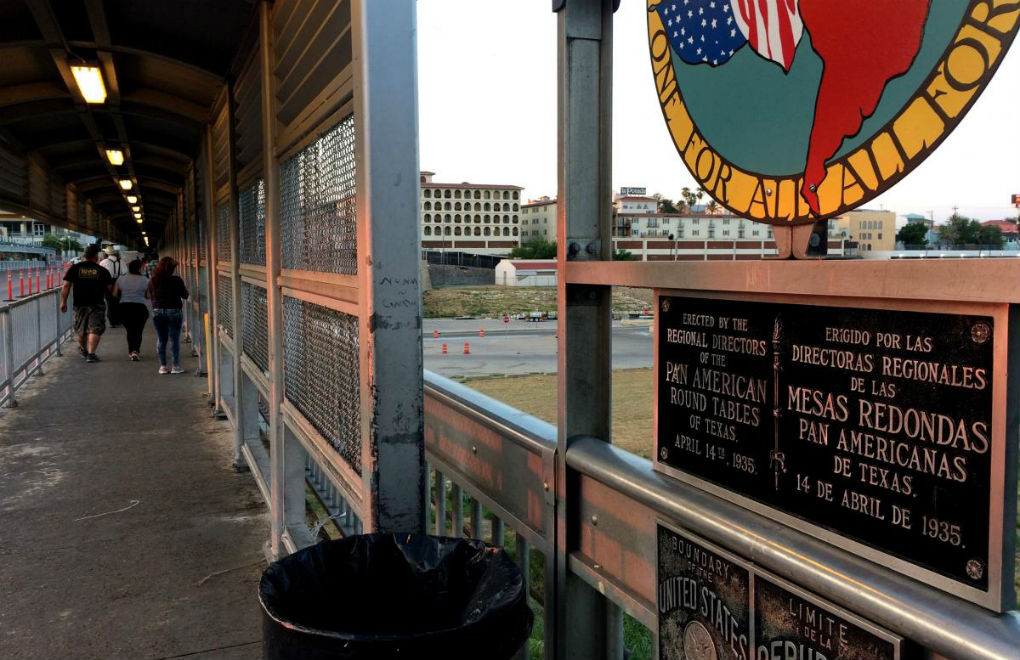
467, 348
435, 334
21, 284
38, 280
481, 333
10, 286
444, 349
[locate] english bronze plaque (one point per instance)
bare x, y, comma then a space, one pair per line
873, 425
704, 600
792, 623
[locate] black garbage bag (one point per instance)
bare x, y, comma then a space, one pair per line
394, 596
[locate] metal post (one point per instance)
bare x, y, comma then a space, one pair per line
37, 303
8, 329
583, 229
240, 421
211, 231
386, 148
60, 334
270, 168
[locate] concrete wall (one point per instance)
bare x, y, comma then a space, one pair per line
459, 275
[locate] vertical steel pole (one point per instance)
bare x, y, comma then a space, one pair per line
270, 168
37, 303
583, 232
8, 328
386, 148
241, 421
60, 335
211, 260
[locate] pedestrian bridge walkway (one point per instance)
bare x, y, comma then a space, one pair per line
124, 530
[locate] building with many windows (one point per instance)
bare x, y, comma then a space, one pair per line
538, 219
873, 231
469, 217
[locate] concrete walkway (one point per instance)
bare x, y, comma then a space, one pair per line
124, 532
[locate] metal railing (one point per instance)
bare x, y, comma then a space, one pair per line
31, 331
503, 459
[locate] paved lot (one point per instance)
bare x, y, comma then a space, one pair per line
124, 532
519, 347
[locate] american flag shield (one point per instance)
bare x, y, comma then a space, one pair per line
772, 27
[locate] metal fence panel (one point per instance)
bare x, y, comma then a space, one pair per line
255, 322
224, 305
322, 374
252, 219
318, 223
223, 231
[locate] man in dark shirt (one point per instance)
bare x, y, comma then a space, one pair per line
91, 282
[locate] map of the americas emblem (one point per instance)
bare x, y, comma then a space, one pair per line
792, 111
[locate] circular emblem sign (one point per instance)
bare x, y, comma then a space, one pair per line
790, 111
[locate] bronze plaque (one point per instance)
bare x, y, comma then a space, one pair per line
872, 424
704, 600
791, 623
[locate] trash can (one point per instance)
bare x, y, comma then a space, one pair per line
394, 596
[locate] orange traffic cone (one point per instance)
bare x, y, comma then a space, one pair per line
481, 333
435, 334
467, 348
444, 349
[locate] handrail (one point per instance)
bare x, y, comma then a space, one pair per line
954, 629
522, 428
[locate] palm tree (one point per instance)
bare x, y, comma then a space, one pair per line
712, 207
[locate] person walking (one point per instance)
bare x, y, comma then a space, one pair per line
167, 292
133, 290
91, 282
113, 264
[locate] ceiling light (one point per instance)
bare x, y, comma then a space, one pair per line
138, 215
90, 83
125, 184
146, 239
132, 199
136, 208
138, 219
115, 156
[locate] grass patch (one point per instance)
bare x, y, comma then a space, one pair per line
633, 399
494, 301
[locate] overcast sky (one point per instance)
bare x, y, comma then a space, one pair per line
487, 113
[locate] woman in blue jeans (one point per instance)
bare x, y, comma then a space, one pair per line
167, 292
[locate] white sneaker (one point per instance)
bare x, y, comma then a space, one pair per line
177, 370
164, 370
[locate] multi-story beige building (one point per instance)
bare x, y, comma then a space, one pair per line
700, 236
873, 231
469, 217
538, 220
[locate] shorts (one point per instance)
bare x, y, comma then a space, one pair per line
90, 320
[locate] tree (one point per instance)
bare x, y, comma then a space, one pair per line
913, 234
536, 248
712, 207
959, 231
666, 205
691, 197
991, 236
623, 255
62, 243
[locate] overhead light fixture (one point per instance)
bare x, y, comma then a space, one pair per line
136, 208
146, 239
138, 215
125, 184
115, 156
90, 83
138, 219
132, 199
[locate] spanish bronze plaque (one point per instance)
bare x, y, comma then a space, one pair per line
791, 623
874, 425
704, 600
